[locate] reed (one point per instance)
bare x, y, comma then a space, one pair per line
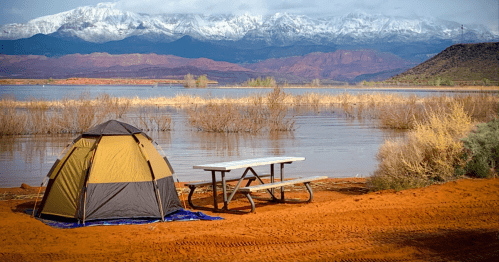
392, 111
150, 119
268, 112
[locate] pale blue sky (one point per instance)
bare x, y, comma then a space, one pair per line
463, 11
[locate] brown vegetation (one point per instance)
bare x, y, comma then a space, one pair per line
265, 113
430, 153
258, 111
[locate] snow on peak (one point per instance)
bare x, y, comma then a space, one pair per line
104, 22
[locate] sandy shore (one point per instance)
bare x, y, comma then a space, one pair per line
456, 221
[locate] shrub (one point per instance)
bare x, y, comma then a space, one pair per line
189, 81
430, 153
267, 82
317, 82
202, 81
482, 150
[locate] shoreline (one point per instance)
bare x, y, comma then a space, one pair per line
93, 81
454, 221
153, 82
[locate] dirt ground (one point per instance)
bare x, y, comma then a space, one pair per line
456, 221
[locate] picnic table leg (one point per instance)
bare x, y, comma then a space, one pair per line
248, 196
215, 204
224, 189
282, 179
272, 180
189, 198
307, 185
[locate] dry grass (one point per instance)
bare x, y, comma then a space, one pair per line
150, 119
256, 112
268, 112
430, 153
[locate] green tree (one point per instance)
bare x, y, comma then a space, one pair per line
202, 81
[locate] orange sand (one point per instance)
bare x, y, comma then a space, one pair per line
456, 221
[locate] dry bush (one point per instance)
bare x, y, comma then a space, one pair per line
189, 81
400, 116
163, 122
430, 153
113, 107
406, 114
13, 122
227, 118
152, 120
220, 118
85, 113
37, 116
481, 107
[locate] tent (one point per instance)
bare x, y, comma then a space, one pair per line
112, 171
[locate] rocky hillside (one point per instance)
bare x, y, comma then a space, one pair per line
461, 62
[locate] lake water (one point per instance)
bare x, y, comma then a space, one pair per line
59, 92
332, 143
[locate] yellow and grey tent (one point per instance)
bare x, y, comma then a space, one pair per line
112, 171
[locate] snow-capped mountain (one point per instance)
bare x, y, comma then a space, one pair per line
103, 23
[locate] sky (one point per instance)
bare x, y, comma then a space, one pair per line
484, 12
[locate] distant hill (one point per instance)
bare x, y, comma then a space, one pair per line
461, 62
341, 65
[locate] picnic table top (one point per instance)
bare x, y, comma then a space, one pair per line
226, 166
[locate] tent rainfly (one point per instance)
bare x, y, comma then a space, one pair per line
112, 171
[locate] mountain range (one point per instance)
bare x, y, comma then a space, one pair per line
341, 65
103, 23
295, 42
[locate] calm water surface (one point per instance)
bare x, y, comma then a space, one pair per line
333, 144
59, 92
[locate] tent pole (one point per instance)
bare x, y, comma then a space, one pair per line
173, 174
155, 182
38, 195
49, 173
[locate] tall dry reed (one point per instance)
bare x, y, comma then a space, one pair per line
260, 111
269, 112
149, 119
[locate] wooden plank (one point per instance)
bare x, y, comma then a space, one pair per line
202, 183
226, 166
279, 184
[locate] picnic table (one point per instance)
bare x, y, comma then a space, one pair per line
248, 164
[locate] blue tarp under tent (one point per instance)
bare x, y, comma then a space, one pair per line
179, 215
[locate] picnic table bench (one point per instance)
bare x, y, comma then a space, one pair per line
192, 186
248, 164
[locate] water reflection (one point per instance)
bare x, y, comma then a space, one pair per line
332, 143
27, 159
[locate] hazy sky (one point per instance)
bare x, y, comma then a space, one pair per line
463, 11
